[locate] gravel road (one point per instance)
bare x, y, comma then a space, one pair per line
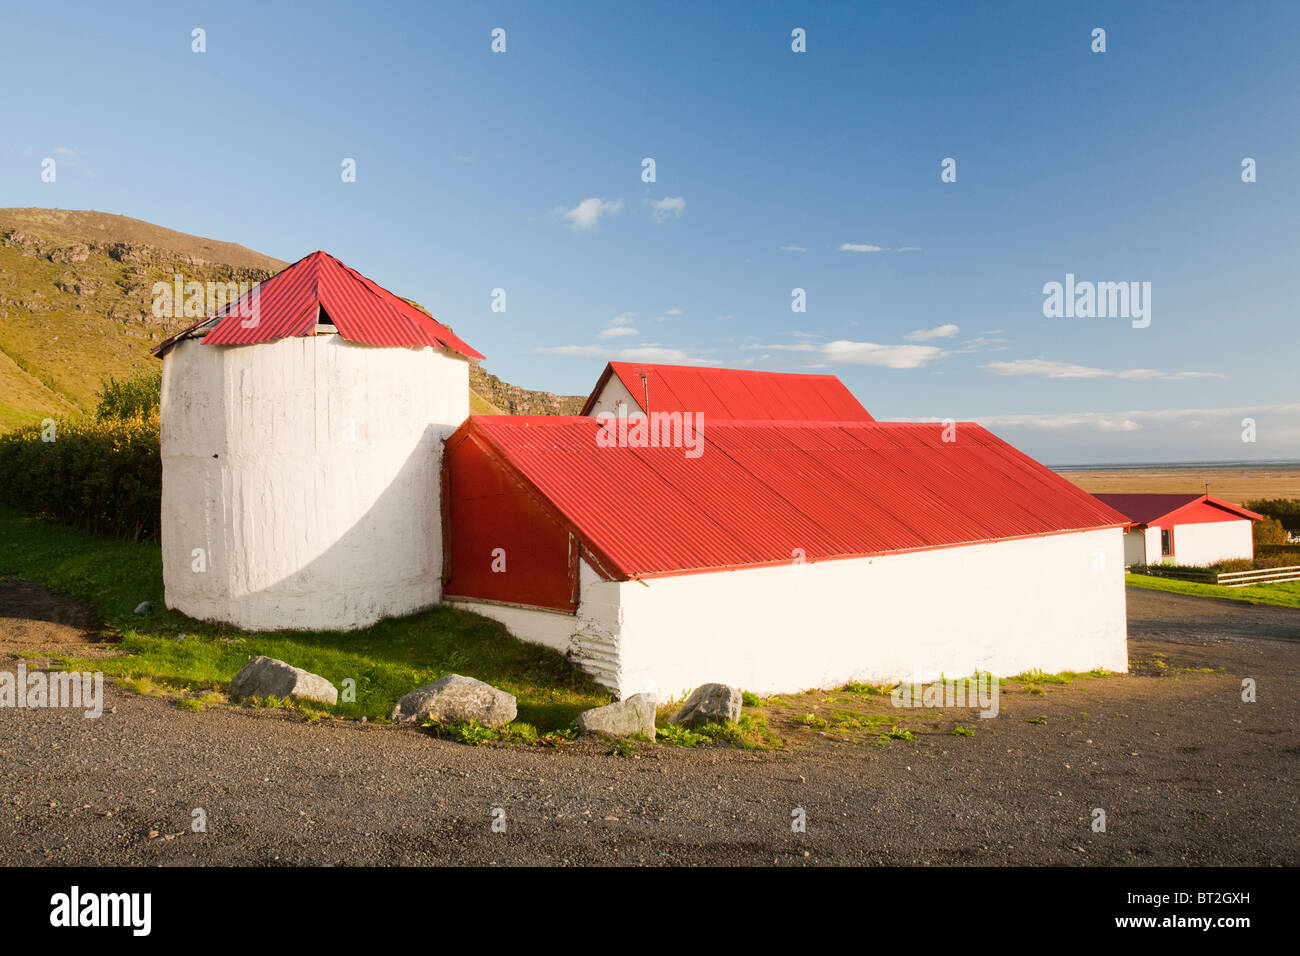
1184, 770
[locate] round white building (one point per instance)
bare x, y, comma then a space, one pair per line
302, 439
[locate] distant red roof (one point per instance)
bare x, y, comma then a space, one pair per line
289, 304
1159, 509
761, 490
734, 393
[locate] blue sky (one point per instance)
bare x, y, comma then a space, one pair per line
775, 170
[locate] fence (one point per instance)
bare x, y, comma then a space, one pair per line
1228, 579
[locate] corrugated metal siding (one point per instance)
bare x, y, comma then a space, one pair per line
760, 490
736, 393
288, 304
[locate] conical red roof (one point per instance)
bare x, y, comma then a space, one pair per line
289, 303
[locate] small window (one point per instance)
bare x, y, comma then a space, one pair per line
1167, 541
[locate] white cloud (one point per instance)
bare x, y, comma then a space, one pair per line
619, 326
587, 213
845, 352
637, 353
64, 150
980, 343
1047, 368
946, 331
661, 209
793, 249
856, 247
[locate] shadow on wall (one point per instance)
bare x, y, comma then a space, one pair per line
298, 556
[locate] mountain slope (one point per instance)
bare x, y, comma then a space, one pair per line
76, 308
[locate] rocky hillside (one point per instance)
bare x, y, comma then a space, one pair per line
75, 309
510, 399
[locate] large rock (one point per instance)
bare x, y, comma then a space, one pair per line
267, 677
454, 698
709, 704
636, 715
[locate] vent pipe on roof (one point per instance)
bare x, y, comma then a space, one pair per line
645, 391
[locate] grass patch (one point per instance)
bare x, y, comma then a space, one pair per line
674, 736
1284, 594
1032, 682
750, 732
812, 721
894, 733
385, 660
869, 690
962, 731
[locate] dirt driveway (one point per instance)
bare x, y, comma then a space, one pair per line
1183, 769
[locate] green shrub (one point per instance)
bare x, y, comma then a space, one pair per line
102, 476
1269, 531
134, 397
1285, 510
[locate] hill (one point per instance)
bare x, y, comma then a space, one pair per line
75, 309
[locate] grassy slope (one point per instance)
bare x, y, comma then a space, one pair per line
58, 346
1286, 594
478, 405
386, 660
67, 326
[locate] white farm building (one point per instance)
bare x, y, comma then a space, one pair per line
754, 528
1183, 529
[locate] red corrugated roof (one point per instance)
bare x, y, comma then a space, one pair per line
735, 393
289, 303
1153, 508
760, 490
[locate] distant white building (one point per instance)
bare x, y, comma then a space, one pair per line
1183, 529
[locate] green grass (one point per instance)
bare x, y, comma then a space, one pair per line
1285, 594
386, 660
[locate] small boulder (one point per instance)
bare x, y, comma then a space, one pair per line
267, 677
709, 704
144, 607
454, 698
636, 715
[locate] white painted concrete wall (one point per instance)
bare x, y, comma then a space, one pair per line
589, 638
1053, 603
615, 399
1213, 541
308, 472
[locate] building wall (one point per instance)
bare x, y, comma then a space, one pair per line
1206, 542
501, 543
613, 395
1154, 555
1135, 546
589, 637
1053, 603
307, 471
